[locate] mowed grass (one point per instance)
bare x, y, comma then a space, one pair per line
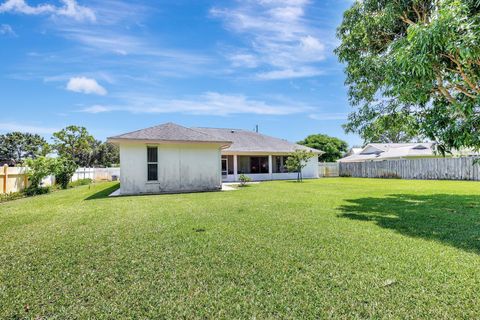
328, 248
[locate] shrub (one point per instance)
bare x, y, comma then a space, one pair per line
80, 182
244, 179
64, 169
11, 196
36, 190
38, 169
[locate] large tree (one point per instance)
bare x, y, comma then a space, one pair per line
334, 148
392, 128
419, 57
75, 143
17, 146
105, 154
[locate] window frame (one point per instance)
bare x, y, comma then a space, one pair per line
152, 163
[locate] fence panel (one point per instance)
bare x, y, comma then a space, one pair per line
328, 169
14, 179
462, 168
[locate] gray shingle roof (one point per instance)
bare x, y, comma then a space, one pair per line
249, 141
169, 132
239, 140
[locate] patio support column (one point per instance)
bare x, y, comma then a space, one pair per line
270, 166
235, 166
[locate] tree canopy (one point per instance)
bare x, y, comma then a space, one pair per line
76, 143
334, 148
418, 57
393, 128
17, 146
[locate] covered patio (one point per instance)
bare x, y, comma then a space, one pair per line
258, 166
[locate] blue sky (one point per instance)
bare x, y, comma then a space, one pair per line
117, 66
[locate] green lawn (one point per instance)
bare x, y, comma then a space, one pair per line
339, 248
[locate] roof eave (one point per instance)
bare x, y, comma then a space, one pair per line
117, 141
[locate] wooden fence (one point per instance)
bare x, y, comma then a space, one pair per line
426, 169
14, 179
328, 169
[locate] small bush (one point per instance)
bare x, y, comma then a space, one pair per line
80, 182
345, 175
35, 190
11, 196
64, 169
244, 179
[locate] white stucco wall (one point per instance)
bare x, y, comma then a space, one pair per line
181, 168
311, 170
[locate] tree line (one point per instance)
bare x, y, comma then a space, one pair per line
73, 142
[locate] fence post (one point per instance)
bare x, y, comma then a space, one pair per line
5, 176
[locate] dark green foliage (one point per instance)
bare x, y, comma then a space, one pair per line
415, 57
64, 169
105, 155
334, 148
15, 147
75, 143
36, 191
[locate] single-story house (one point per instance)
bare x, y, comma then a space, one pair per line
171, 158
384, 151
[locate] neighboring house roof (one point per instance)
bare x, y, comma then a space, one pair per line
169, 132
382, 151
354, 151
250, 141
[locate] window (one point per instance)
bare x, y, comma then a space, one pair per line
152, 163
279, 164
252, 164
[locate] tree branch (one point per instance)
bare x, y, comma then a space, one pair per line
407, 20
442, 89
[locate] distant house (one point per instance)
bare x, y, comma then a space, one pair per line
383, 151
353, 151
173, 158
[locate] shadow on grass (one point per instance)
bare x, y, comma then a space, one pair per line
103, 193
451, 219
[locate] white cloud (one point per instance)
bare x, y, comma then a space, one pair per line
97, 109
14, 126
208, 103
328, 116
277, 37
70, 9
6, 29
85, 85
289, 73
243, 60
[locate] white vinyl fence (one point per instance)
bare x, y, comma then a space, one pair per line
328, 169
108, 174
14, 179
427, 169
